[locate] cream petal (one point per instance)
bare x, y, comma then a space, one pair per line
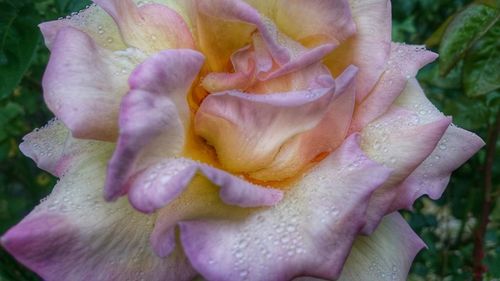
83, 83
75, 235
387, 254
404, 63
309, 233
455, 147
402, 141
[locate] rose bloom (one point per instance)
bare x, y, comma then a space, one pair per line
233, 140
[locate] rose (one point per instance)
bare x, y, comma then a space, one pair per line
223, 118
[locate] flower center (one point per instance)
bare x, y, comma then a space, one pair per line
248, 121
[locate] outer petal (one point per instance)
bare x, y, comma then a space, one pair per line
387, 254
455, 147
93, 21
74, 235
401, 141
150, 27
46, 147
247, 130
83, 84
99, 25
369, 48
152, 115
403, 64
309, 233
302, 149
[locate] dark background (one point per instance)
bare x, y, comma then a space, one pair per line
461, 229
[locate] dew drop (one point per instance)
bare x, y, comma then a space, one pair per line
285, 239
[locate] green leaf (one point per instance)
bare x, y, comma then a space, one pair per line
438, 34
62, 4
18, 44
465, 29
66, 6
10, 111
482, 64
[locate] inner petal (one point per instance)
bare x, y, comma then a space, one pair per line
254, 111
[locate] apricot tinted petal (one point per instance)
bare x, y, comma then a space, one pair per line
319, 21
299, 152
248, 130
369, 48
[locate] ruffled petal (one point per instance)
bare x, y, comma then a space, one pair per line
74, 235
369, 48
320, 21
152, 115
218, 16
255, 70
247, 130
209, 194
244, 64
403, 64
301, 151
455, 147
309, 233
162, 183
400, 140
150, 27
83, 84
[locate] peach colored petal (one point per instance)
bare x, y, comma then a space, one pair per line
369, 48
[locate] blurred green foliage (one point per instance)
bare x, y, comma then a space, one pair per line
463, 83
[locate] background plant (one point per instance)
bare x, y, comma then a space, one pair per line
461, 229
